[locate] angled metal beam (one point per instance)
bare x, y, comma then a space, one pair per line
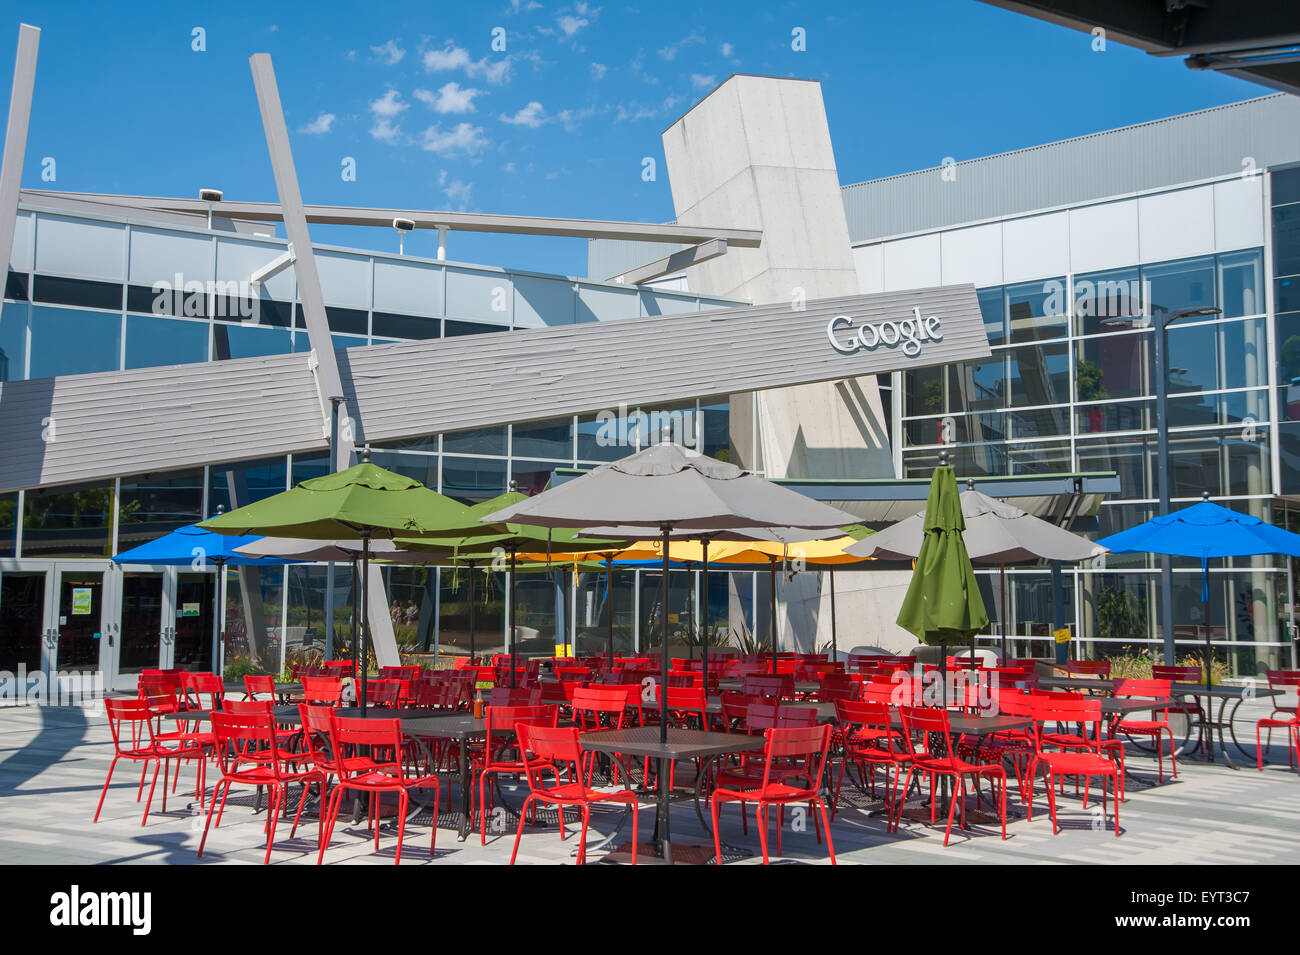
672, 263
295, 227
428, 219
20, 114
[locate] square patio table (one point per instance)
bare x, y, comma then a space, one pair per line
644, 741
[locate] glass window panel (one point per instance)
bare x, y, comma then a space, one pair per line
1240, 405
1119, 607
478, 295
419, 467
151, 505
1286, 295
453, 328
1192, 411
70, 342
923, 390
406, 326
715, 430
656, 303
471, 480
1286, 240
605, 437
1112, 366
1130, 457
1036, 310
1285, 185
307, 466
408, 288
75, 521
476, 441
532, 477
1193, 356
16, 286
995, 316
544, 439
411, 592
1175, 286
164, 341
80, 292
1194, 466
309, 607
976, 386
1241, 283
1245, 354
1123, 416
1288, 365
8, 523
253, 480
454, 610
351, 321
13, 342
427, 443
1038, 457
236, 341
79, 247
1040, 375
540, 302
603, 305
253, 643
1103, 299
1290, 452
1039, 423
1246, 461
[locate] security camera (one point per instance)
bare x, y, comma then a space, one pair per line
210, 195
403, 225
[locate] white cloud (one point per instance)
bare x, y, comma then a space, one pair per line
532, 116
509, 168
463, 139
386, 131
321, 124
450, 98
570, 24
598, 71
633, 111
390, 54
727, 49
517, 5
457, 191
670, 51
572, 118
701, 82
452, 57
389, 105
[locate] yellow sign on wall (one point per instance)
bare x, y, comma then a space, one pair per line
1062, 635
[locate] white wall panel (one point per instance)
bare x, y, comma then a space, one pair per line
870, 263
972, 255
912, 263
1175, 225
1035, 247
79, 247
1104, 236
1239, 213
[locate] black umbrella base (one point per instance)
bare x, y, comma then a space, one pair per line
647, 853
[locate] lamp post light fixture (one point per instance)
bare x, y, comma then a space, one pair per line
210, 196
1160, 320
402, 226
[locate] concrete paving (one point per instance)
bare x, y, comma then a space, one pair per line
53, 761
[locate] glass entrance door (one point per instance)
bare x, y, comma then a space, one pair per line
142, 622
22, 620
192, 640
79, 620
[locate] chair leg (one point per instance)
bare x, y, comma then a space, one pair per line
762, 829
277, 800
433, 835
156, 764
401, 823
519, 834
952, 807
830, 846
582, 838
212, 806
104, 792
1051, 800
336, 801
717, 840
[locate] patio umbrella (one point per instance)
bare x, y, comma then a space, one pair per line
362, 502
672, 488
509, 537
996, 533
943, 603
1204, 530
194, 546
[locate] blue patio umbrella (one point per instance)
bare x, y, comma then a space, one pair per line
193, 546
1203, 531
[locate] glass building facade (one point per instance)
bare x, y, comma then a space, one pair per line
88, 294
1070, 387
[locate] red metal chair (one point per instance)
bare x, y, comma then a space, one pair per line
794, 760
385, 694
322, 690
1283, 717
504, 696
556, 752
779, 687
1097, 668
500, 753
1082, 755
257, 684
350, 737
1158, 692
249, 751
869, 741
140, 744
934, 724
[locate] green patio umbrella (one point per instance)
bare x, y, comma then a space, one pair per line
487, 538
943, 604
362, 502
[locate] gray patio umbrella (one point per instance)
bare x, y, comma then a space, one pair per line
674, 489
996, 533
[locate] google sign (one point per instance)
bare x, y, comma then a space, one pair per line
910, 332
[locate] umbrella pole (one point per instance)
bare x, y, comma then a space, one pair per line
704, 613
835, 637
471, 614
1002, 613
219, 645
663, 686
772, 611
355, 608
1209, 646
513, 588
365, 612
609, 611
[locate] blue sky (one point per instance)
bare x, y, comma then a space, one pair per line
559, 122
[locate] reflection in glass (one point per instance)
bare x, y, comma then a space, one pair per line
251, 480
475, 441
1036, 310
1040, 375
164, 341
68, 342
1112, 366
544, 439
151, 505
75, 521
470, 480
1176, 286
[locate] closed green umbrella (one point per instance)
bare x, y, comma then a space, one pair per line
359, 503
943, 604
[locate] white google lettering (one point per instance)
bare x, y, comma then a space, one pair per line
911, 332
